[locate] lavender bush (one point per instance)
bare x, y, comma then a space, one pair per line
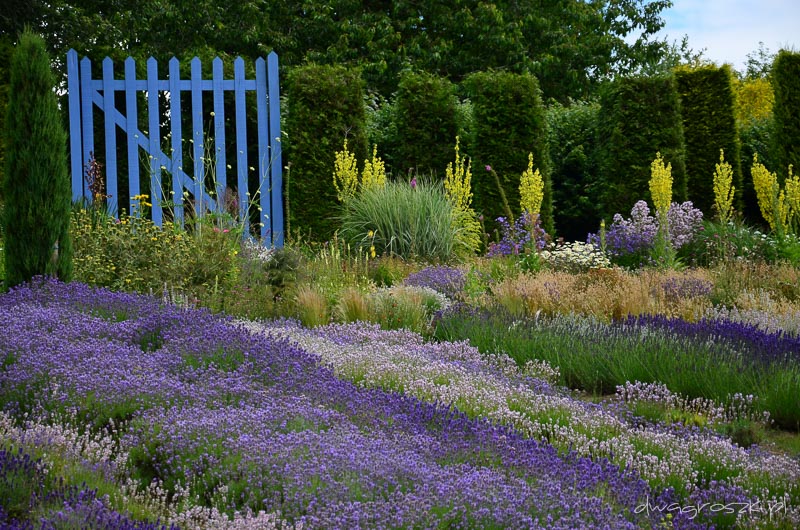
516, 237
630, 241
449, 281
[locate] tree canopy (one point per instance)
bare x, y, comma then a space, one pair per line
569, 45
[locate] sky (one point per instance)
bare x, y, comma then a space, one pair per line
729, 30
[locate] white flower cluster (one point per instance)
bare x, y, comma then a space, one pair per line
575, 257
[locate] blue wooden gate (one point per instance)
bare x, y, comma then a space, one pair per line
86, 94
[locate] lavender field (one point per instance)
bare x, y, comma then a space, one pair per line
121, 411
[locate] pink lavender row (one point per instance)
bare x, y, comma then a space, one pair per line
251, 422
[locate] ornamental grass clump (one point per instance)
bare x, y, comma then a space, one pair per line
405, 222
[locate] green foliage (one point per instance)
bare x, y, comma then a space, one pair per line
132, 254
786, 112
572, 140
6, 49
426, 123
509, 124
709, 124
325, 106
402, 221
36, 185
639, 116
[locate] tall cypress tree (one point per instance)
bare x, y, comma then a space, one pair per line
36, 183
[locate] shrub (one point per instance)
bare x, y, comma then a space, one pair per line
509, 124
325, 106
36, 186
638, 117
403, 221
447, 280
709, 124
786, 84
426, 122
572, 142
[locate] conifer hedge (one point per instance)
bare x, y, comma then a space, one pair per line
786, 112
709, 124
572, 141
36, 183
638, 117
325, 105
509, 123
426, 123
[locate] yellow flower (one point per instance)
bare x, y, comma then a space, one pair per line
372, 251
370, 233
723, 188
374, 174
457, 181
531, 189
345, 173
661, 185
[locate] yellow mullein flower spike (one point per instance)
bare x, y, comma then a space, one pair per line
374, 174
661, 185
345, 174
723, 188
458, 181
531, 189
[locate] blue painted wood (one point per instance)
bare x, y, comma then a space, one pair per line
131, 119
177, 137
87, 119
197, 140
75, 155
276, 178
112, 201
241, 141
220, 177
154, 135
263, 153
87, 93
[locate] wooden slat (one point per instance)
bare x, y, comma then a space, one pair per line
241, 141
112, 200
131, 119
276, 177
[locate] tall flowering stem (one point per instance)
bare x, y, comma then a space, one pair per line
661, 192
345, 174
531, 189
723, 189
771, 199
374, 174
458, 181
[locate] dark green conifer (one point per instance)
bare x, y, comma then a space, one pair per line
36, 182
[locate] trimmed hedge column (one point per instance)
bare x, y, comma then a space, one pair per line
639, 117
709, 124
786, 112
325, 105
509, 123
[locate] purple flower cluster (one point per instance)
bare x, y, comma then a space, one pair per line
250, 422
449, 281
636, 235
514, 238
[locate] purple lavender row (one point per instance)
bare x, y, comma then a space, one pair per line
757, 345
248, 422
